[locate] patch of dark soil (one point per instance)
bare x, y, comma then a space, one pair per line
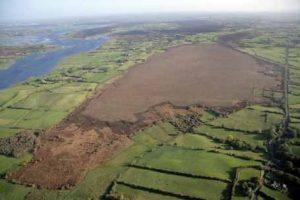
92, 32
188, 27
198, 26
232, 40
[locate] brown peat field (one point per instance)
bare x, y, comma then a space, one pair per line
207, 74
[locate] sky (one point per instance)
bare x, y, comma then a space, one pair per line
44, 9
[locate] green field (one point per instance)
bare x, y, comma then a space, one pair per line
248, 173
205, 163
175, 184
13, 191
8, 164
248, 120
194, 141
255, 139
135, 194
296, 149
274, 194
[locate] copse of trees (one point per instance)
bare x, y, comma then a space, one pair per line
18, 144
186, 123
247, 187
284, 152
236, 143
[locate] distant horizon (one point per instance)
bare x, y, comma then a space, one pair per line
130, 16
35, 10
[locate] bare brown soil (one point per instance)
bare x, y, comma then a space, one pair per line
209, 75
163, 87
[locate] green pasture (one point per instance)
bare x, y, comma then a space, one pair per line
194, 187
248, 120
204, 163
295, 149
11, 191
277, 195
248, 173
250, 138
135, 194
194, 141
207, 116
8, 164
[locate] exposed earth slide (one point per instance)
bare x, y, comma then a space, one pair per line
209, 75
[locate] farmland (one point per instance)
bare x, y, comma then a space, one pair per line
9, 54
160, 111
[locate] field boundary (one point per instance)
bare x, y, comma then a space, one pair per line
159, 191
165, 171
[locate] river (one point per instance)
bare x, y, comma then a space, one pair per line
37, 64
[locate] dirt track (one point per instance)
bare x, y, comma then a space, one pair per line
209, 75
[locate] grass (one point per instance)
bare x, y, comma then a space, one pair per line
295, 149
175, 184
194, 141
248, 120
204, 163
207, 116
267, 45
248, 173
52, 101
135, 194
295, 125
272, 53
12, 191
100, 77
9, 117
8, 164
73, 88
16, 93
293, 99
266, 109
244, 153
7, 132
161, 132
255, 139
295, 106
41, 119
274, 194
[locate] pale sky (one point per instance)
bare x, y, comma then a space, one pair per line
43, 9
